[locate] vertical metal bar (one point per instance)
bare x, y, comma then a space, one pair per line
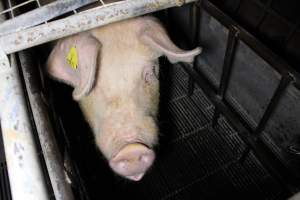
284, 82
238, 7
266, 12
227, 65
291, 34
25, 173
5, 192
12, 15
194, 19
38, 3
227, 68
51, 155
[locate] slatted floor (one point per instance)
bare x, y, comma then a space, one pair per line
194, 160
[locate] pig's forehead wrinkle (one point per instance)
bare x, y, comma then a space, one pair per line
123, 36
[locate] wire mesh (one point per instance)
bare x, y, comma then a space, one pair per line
36, 3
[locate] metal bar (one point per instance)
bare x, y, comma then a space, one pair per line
194, 19
5, 192
11, 11
40, 15
229, 56
25, 173
275, 61
15, 7
52, 157
83, 21
261, 150
291, 33
238, 7
284, 82
227, 68
266, 12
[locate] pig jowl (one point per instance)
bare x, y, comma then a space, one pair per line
113, 70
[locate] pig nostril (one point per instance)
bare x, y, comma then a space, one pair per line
136, 177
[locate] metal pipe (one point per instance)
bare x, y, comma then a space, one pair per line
228, 61
52, 157
83, 21
25, 173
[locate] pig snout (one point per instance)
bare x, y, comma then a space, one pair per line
127, 142
132, 161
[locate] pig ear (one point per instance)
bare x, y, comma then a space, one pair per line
74, 62
156, 37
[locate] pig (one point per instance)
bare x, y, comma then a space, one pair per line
295, 196
116, 84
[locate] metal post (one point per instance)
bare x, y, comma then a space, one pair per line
25, 173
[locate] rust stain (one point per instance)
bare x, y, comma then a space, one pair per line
30, 39
115, 102
11, 134
17, 42
100, 18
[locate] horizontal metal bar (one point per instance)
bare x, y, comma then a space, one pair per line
40, 15
83, 21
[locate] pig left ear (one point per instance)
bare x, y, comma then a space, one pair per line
74, 62
156, 37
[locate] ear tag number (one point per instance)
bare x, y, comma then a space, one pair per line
72, 58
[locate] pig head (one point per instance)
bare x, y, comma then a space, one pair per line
114, 75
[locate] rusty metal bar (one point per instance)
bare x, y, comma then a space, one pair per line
83, 21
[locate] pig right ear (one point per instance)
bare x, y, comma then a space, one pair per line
74, 62
154, 35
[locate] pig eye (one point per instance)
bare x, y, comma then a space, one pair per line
150, 74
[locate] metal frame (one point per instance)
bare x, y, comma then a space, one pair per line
83, 21
250, 136
22, 121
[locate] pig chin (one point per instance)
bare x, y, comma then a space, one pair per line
128, 150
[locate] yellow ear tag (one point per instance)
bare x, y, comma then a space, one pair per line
72, 58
